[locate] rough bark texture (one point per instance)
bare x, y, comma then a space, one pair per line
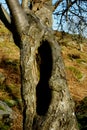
45, 19
47, 102
25, 4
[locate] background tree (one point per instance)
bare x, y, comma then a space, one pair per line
71, 16
47, 104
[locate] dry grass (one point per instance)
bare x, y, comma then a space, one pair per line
9, 66
76, 70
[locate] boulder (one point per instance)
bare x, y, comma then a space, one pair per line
7, 115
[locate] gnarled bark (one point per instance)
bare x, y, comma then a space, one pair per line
47, 104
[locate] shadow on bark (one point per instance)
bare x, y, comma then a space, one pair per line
43, 92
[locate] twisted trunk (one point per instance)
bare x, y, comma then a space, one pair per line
47, 104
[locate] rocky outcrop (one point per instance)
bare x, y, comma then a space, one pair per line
7, 115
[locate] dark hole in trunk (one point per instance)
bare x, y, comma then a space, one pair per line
43, 91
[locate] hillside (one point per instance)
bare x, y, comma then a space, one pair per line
75, 59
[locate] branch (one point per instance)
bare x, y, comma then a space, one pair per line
80, 17
68, 6
25, 5
19, 18
57, 4
5, 17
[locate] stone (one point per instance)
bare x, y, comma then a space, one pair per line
7, 115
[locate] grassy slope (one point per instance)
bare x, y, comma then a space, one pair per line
9, 67
75, 63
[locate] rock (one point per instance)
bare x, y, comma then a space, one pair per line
4, 109
7, 115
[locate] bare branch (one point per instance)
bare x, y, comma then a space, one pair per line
68, 6
5, 17
19, 18
57, 4
25, 5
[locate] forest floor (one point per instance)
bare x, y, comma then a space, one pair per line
75, 60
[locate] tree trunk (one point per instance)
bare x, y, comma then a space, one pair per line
47, 102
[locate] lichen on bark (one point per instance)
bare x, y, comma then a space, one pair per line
47, 102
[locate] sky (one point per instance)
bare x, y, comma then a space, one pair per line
75, 20
56, 19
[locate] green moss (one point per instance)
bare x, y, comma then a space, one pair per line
4, 126
77, 74
1, 108
10, 103
80, 61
